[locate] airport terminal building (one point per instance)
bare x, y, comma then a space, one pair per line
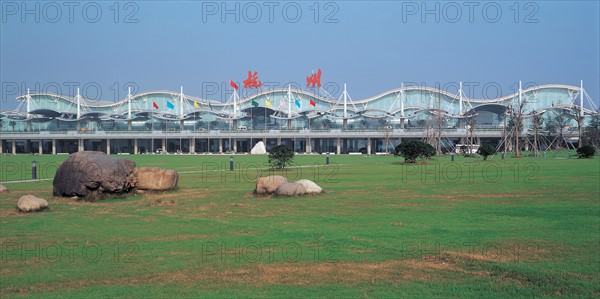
309, 122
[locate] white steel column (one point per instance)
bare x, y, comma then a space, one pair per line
14, 146
78, 104
460, 99
28, 99
520, 94
181, 103
402, 101
54, 146
345, 102
129, 102
40, 149
581, 95
235, 95
108, 146
289, 100
369, 146
135, 146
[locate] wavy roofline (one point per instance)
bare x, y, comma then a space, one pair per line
304, 92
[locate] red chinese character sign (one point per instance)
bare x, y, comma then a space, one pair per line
252, 81
314, 79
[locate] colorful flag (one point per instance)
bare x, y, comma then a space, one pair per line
268, 104
255, 104
170, 105
196, 105
298, 104
233, 85
154, 105
312, 103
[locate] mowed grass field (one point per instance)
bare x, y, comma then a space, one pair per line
468, 228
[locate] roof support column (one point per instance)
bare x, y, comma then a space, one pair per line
460, 100
581, 95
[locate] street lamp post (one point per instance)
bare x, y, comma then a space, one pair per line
33, 170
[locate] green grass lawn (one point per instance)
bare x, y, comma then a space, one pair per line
468, 228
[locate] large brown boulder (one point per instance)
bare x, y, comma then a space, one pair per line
153, 178
30, 203
290, 189
269, 184
88, 172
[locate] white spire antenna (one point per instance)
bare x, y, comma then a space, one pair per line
235, 98
181, 102
27, 98
129, 102
402, 99
78, 104
581, 94
460, 99
520, 93
289, 94
345, 102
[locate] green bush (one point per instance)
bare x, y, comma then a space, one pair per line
586, 151
486, 150
413, 150
281, 156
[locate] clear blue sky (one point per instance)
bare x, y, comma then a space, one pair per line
373, 46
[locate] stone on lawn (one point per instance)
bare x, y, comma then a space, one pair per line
310, 186
30, 203
269, 184
87, 172
290, 189
258, 149
153, 178
3, 189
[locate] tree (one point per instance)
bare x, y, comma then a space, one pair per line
557, 123
486, 150
537, 121
516, 122
586, 151
413, 150
577, 114
429, 152
592, 131
281, 156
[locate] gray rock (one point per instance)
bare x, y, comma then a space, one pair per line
290, 189
87, 172
3, 189
310, 186
30, 203
269, 184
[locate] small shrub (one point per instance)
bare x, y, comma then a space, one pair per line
281, 156
486, 150
586, 151
413, 150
